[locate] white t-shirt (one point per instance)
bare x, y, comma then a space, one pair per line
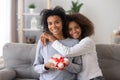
86, 47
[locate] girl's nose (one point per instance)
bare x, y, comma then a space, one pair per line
73, 30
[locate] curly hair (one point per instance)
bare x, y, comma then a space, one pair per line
58, 11
85, 24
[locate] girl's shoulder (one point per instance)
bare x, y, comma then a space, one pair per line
87, 39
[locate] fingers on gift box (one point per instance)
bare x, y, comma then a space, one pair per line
59, 61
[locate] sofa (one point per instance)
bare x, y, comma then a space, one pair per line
19, 58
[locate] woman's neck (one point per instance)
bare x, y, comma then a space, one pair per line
59, 37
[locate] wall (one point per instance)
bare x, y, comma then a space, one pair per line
103, 13
40, 4
105, 16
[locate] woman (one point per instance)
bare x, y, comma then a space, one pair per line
53, 21
81, 28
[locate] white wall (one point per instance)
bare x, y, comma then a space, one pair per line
105, 14
4, 23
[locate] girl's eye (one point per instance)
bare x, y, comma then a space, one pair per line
70, 29
76, 27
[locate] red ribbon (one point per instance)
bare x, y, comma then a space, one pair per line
58, 60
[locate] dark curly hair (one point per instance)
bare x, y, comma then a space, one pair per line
85, 24
58, 11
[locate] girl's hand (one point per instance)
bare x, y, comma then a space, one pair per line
45, 36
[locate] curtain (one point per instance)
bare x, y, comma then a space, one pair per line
5, 32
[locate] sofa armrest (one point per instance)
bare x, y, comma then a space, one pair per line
7, 74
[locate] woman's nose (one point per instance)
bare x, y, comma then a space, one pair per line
54, 25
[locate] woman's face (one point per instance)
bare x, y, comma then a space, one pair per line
55, 25
74, 30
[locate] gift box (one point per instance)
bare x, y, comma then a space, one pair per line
59, 61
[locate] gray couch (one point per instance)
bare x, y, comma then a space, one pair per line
20, 57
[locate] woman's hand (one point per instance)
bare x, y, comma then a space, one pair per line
45, 36
50, 65
64, 67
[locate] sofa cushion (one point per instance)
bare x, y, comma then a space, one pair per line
25, 79
109, 60
20, 57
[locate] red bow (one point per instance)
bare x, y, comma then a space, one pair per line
58, 60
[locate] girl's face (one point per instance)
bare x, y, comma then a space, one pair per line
55, 25
74, 30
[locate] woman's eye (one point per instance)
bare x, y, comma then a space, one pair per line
49, 23
57, 22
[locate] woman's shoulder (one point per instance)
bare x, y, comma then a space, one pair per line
41, 43
72, 40
69, 41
